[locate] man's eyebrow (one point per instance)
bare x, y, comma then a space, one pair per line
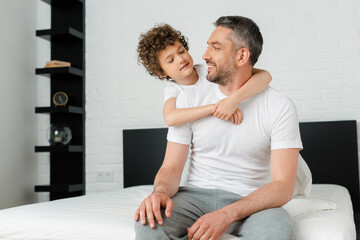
215, 43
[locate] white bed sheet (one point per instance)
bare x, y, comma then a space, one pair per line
109, 216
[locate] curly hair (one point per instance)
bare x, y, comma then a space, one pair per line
154, 41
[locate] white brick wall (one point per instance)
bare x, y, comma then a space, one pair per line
312, 49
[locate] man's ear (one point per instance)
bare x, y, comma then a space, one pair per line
242, 56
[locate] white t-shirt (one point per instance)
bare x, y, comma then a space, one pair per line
173, 89
232, 157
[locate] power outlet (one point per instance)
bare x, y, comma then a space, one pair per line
105, 176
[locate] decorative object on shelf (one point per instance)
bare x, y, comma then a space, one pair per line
59, 134
57, 63
60, 99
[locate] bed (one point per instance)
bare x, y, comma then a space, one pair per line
330, 150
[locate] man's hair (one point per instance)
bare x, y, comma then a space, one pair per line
154, 41
245, 33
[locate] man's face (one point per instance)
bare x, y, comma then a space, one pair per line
220, 57
176, 62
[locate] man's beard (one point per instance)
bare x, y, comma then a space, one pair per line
223, 76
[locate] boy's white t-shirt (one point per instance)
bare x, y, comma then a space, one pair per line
232, 157
173, 89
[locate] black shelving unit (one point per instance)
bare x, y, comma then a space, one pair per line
70, 71
53, 34
64, 109
67, 38
63, 149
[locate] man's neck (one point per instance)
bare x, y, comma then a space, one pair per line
239, 79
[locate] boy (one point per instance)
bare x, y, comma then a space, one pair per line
164, 53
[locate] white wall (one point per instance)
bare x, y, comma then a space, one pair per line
43, 21
18, 90
312, 49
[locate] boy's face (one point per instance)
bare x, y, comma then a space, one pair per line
219, 56
176, 62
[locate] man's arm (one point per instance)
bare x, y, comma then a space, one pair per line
274, 194
166, 185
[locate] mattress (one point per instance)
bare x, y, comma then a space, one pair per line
326, 214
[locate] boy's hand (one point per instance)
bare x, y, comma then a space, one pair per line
237, 117
225, 108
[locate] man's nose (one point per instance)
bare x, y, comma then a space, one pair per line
206, 55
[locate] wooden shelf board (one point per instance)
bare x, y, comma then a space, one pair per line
60, 109
60, 148
48, 34
59, 70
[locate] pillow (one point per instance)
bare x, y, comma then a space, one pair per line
299, 207
303, 179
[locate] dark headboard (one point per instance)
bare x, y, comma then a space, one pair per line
144, 151
330, 150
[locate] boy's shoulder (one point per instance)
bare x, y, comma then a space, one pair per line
172, 84
200, 94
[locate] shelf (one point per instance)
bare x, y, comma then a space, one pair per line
59, 188
60, 109
59, 70
66, 35
48, 34
60, 148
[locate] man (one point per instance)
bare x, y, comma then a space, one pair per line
239, 175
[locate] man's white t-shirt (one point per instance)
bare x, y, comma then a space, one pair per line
173, 89
232, 157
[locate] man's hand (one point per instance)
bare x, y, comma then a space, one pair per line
211, 226
150, 209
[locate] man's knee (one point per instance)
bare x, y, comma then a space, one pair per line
267, 225
279, 225
144, 232
140, 230
282, 229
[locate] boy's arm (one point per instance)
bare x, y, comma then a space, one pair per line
260, 80
178, 116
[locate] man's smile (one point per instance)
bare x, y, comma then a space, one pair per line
211, 66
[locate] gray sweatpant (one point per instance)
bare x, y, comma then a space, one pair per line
191, 203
